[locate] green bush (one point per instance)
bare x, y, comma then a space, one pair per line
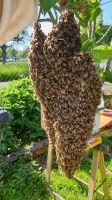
9, 141
20, 181
18, 98
13, 71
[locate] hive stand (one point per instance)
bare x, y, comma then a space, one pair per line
97, 161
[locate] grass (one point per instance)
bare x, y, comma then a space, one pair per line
13, 71
72, 189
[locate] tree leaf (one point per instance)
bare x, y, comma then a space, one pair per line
83, 23
102, 53
95, 13
88, 12
84, 37
108, 76
47, 4
88, 45
95, 4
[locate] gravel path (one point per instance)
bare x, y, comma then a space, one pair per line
2, 84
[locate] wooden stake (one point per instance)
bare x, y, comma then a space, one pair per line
87, 184
103, 174
49, 163
93, 174
57, 196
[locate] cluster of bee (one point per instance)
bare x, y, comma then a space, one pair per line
68, 88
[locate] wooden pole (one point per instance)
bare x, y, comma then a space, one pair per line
49, 163
93, 174
103, 175
87, 184
54, 194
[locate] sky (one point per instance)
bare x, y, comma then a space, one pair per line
107, 12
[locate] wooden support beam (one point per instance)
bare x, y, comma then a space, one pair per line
103, 175
108, 172
93, 174
87, 184
54, 194
49, 163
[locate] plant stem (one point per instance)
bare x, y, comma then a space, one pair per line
40, 12
89, 29
52, 17
93, 29
44, 20
57, 8
101, 39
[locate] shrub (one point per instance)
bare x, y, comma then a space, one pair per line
8, 141
13, 71
18, 98
20, 181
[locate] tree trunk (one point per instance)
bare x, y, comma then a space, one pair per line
4, 53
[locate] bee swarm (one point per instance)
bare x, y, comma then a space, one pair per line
67, 87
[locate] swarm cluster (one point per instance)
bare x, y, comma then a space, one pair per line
67, 87
63, 3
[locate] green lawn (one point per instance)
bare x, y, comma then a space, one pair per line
72, 189
13, 71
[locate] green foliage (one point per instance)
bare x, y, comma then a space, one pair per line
101, 30
12, 53
18, 98
95, 12
108, 76
23, 53
85, 10
88, 45
17, 54
84, 37
102, 53
21, 181
13, 71
0, 54
47, 4
8, 141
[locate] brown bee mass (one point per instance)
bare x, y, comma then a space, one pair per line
63, 2
67, 87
